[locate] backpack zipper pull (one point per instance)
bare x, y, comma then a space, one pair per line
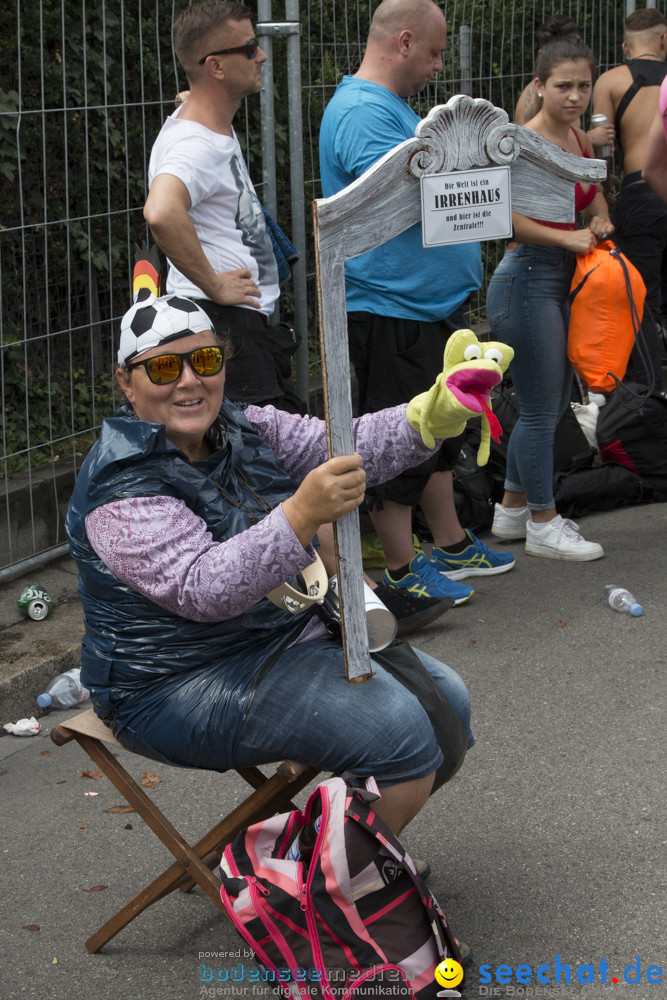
303, 902
251, 880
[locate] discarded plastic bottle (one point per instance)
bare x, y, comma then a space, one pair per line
64, 691
621, 600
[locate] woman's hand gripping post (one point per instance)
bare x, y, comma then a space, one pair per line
332, 489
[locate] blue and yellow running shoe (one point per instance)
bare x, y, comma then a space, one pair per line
424, 580
475, 560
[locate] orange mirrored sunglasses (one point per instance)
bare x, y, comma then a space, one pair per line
167, 368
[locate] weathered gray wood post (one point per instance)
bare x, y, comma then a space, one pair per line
466, 133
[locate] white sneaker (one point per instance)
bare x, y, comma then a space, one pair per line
509, 522
560, 539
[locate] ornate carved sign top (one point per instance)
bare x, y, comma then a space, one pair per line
470, 132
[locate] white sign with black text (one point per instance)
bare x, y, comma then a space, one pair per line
466, 205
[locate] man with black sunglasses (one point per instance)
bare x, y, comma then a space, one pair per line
203, 210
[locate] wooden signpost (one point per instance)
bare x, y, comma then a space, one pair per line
466, 134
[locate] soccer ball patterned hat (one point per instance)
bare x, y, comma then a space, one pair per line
152, 321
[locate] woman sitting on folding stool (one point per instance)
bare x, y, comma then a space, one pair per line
187, 512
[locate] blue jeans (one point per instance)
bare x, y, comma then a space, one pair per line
306, 709
526, 306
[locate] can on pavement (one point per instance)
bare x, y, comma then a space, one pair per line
34, 602
602, 152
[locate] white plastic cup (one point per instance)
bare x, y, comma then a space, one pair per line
381, 625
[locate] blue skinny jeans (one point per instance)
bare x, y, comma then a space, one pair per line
526, 306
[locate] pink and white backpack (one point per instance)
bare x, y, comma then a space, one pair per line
352, 919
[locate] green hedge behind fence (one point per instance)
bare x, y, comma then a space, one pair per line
84, 89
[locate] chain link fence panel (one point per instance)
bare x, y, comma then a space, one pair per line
84, 89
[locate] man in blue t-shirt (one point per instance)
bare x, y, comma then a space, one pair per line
403, 302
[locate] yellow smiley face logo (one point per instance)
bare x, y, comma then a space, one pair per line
449, 972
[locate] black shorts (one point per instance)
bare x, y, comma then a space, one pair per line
394, 360
260, 367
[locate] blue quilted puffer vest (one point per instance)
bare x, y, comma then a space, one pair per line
145, 667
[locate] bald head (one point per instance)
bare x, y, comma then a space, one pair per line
394, 15
405, 45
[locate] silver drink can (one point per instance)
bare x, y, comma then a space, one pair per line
602, 152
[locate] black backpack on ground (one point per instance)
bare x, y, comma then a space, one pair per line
632, 431
600, 487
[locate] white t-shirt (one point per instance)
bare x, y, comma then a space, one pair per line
225, 209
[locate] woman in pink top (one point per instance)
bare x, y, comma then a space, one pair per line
527, 308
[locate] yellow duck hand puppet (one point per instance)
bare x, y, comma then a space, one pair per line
471, 369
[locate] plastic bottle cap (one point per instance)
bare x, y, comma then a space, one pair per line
44, 700
636, 610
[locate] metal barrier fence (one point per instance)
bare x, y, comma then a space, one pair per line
84, 89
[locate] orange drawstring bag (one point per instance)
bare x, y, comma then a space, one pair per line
606, 308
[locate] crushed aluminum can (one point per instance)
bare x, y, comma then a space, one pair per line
34, 602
